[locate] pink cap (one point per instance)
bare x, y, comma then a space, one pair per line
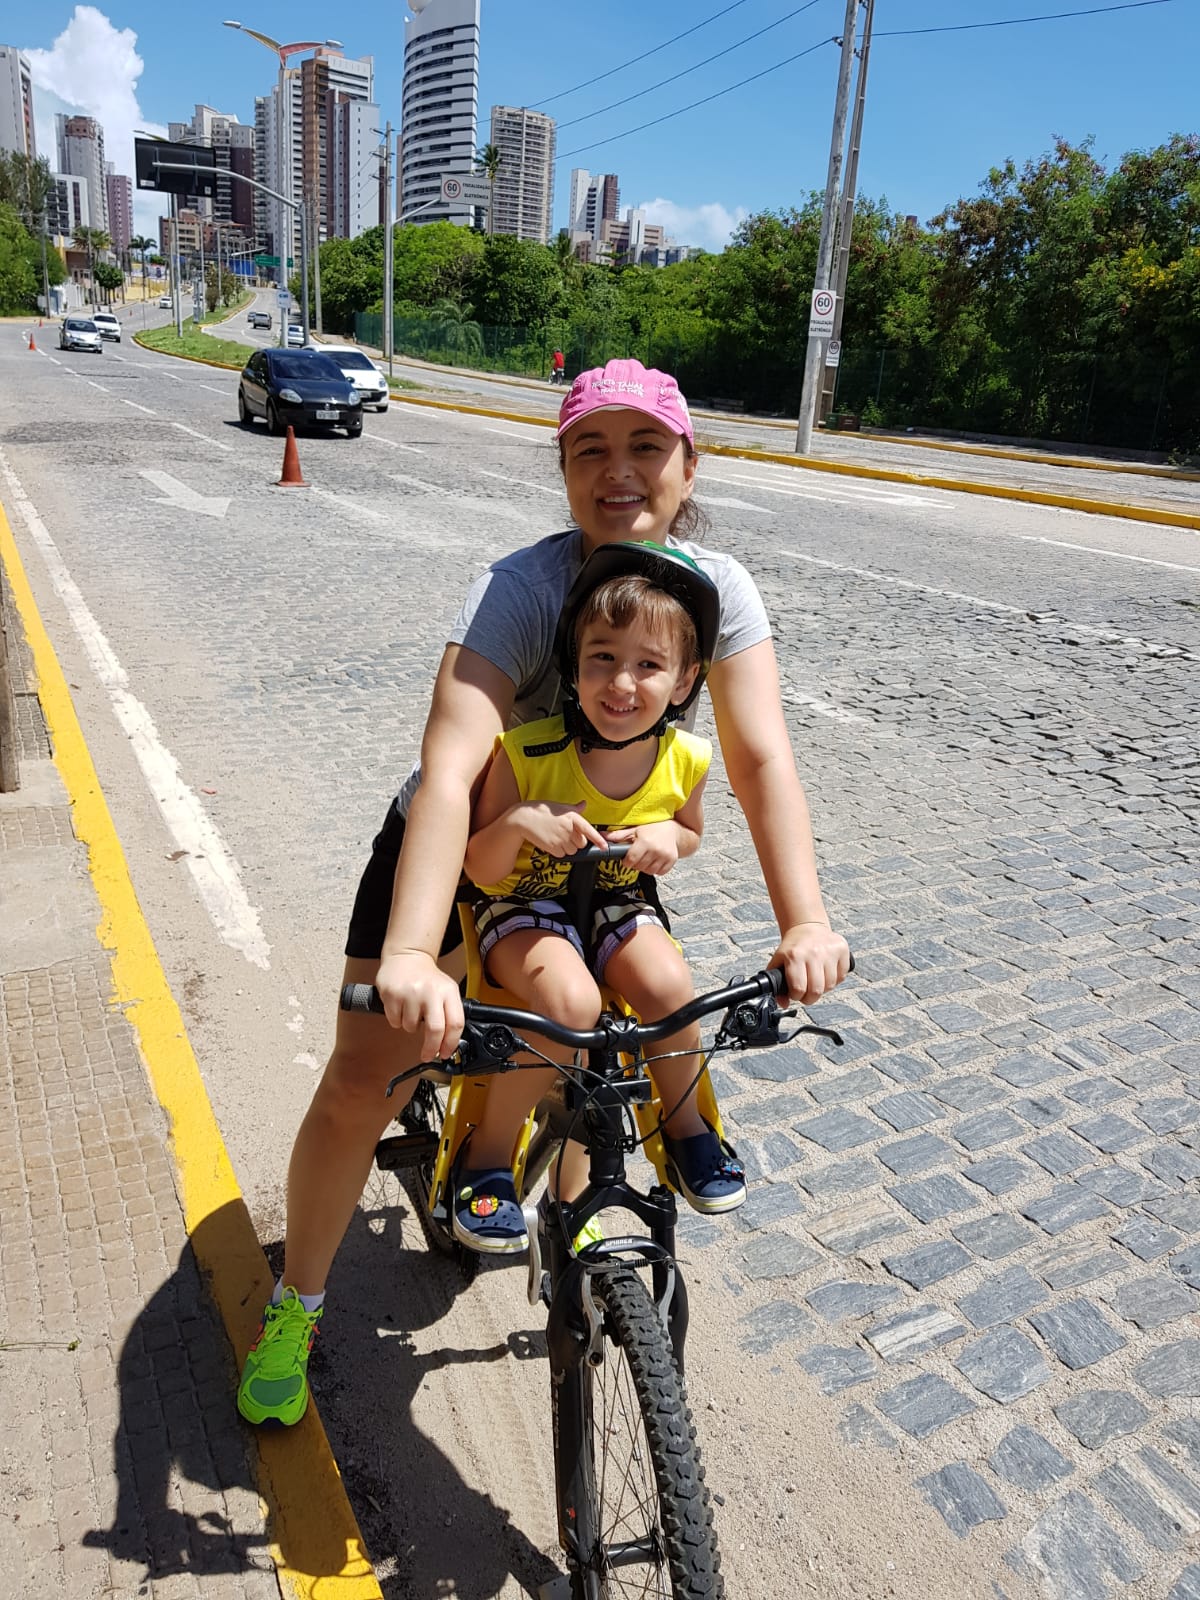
627, 386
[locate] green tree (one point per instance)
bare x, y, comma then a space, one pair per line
437, 261
518, 282
142, 243
19, 279
109, 278
95, 241
489, 158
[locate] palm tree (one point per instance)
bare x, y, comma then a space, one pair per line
141, 243
488, 160
95, 241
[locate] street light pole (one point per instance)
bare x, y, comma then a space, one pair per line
815, 351
389, 253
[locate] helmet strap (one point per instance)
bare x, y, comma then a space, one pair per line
577, 726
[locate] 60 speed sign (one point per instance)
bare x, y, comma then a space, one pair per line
820, 321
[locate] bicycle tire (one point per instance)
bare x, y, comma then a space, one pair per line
426, 1112
643, 1465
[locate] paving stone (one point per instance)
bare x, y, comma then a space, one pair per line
767, 1203
902, 1068
927, 1264
953, 1018
1135, 1037
1169, 1114
1074, 1264
1178, 1211
769, 1156
776, 1066
917, 1154
1173, 1165
970, 1092
1184, 1434
962, 1497
777, 1255
841, 1298
1187, 1265
1027, 1460
930, 1198
838, 1130
1076, 1553
992, 1237
1108, 1133
1077, 1333
1001, 1298
957, 1052
1082, 1054
924, 1404
986, 1128
1026, 1069
1172, 1369
857, 1085
1119, 1185
771, 1325
1040, 1110
854, 1227
1156, 1499
837, 1367
910, 1109
1094, 1092
860, 1426
1098, 1415
1147, 1240
913, 1332
1003, 1364
1065, 1207
1152, 1302
842, 1177
1188, 1585
1059, 1153
999, 1174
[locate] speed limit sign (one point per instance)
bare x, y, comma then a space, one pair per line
820, 321
451, 189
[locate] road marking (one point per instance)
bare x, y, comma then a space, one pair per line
850, 492
212, 389
822, 707
137, 407
728, 500
215, 872
96, 385
55, 360
418, 483
511, 433
183, 496
350, 505
394, 444
524, 482
1094, 550
183, 428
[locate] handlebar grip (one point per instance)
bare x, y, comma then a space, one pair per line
595, 852
361, 997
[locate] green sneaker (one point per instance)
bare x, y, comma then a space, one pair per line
274, 1386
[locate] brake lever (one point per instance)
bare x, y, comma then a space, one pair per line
755, 1024
481, 1049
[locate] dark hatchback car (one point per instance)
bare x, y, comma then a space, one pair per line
301, 387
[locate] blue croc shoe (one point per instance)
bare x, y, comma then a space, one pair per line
487, 1213
706, 1171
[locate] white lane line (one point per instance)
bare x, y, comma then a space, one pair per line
848, 491
418, 483
524, 482
137, 407
55, 360
1117, 555
394, 444
729, 500
349, 505
96, 385
212, 389
512, 432
216, 873
183, 428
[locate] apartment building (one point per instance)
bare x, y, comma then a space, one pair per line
17, 136
81, 154
524, 189
118, 190
439, 106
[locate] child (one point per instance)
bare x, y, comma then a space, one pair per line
636, 637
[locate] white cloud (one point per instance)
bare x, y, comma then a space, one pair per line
710, 226
93, 68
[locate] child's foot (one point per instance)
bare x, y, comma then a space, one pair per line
706, 1171
487, 1213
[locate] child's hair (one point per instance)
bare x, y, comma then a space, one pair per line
635, 598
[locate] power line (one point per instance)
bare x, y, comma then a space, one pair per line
674, 78
1012, 22
645, 56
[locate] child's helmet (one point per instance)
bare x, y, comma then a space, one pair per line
667, 569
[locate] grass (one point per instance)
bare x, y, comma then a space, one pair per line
223, 352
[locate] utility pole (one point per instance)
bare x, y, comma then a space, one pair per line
389, 249
849, 192
177, 266
316, 253
815, 352
303, 268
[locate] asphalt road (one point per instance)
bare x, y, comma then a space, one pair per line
979, 1213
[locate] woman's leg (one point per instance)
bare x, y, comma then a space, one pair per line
648, 970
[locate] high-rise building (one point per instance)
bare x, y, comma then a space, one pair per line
330, 84
595, 199
233, 145
524, 190
16, 103
354, 169
67, 206
118, 191
439, 106
81, 153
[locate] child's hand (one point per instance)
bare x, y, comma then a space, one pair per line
814, 960
559, 830
654, 847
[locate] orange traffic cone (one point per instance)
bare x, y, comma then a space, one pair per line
32, 346
291, 465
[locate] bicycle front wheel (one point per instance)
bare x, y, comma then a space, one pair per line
634, 1495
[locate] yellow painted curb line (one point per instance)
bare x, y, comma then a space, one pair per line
317, 1546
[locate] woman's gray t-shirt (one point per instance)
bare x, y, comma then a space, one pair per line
510, 617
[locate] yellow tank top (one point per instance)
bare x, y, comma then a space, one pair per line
683, 759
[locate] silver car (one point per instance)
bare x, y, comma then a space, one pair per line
362, 373
80, 333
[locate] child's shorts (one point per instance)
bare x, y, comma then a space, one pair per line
615, 915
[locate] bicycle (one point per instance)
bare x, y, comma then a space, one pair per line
634, 1513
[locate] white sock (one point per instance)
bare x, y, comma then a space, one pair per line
310, 1302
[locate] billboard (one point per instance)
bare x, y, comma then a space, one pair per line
201, 163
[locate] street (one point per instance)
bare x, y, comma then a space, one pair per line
952, 1328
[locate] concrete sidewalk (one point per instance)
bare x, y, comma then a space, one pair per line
126, 1280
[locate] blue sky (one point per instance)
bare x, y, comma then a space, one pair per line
941, 110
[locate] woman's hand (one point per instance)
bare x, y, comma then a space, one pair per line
559, 830
653, 847
814, 961
420, 999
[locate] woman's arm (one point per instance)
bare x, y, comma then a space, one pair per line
762, 769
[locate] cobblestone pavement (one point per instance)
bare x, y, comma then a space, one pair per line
975, 1228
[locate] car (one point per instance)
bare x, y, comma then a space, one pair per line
301, 387
362, 373
108, 325
165, 302
295, 335
79, 333
259, 319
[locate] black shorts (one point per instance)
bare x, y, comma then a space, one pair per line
373, 902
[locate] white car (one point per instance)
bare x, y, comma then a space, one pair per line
295, 335
108, 325
362, 373
79, 333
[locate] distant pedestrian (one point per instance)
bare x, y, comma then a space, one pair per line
558, 367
